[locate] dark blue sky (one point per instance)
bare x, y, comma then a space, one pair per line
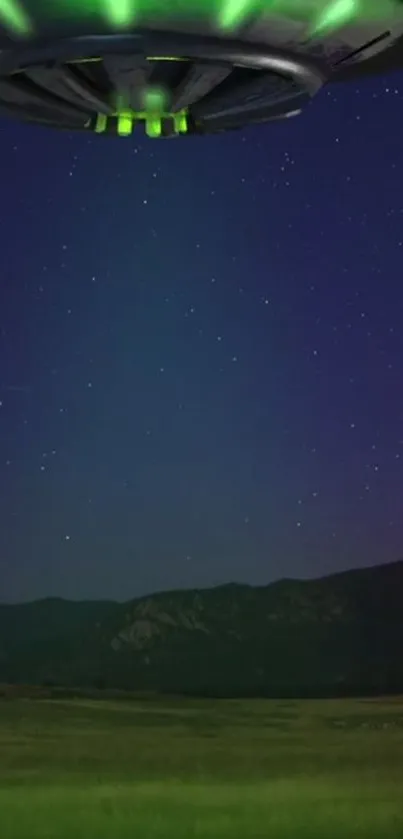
201, 352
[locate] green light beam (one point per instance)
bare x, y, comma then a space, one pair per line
336, 14
329, 13
14, 17
225, 15
234, 12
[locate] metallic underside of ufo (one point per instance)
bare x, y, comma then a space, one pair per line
197, 71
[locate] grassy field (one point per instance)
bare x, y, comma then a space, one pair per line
172, 768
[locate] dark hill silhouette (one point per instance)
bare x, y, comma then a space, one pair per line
337, 635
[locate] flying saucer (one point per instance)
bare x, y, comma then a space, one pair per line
184, 67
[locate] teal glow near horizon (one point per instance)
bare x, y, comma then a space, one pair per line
320, 16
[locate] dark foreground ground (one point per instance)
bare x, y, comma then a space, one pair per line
186, 768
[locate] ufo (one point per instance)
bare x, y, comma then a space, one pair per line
178, 68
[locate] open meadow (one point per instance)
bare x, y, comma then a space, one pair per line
201, 768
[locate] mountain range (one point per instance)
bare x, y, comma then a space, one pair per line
334, 636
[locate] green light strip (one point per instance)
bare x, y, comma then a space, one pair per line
13, 16
165, 58
95, 60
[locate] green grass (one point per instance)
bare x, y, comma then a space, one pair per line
171, 768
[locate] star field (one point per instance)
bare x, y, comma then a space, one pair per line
201, 352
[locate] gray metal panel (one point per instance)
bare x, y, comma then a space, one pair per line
199, 80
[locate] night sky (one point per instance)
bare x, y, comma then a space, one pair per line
201, 352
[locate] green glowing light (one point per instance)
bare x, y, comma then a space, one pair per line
234, 12
101, 124
335, 15
12, 15
153, 127
127, 119
119, 12
155, 100
181, 123
125, 124
165, 58
224, 15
